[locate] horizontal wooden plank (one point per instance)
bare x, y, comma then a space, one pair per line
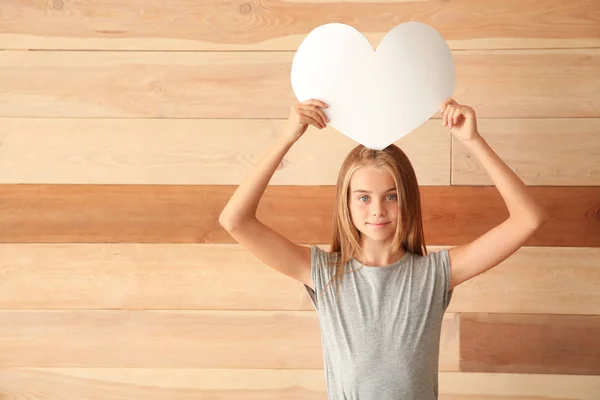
536, 280
499, 386
550, 151
175, 339
228, 277
281, 25
498, 84
184, 151
236, 384
547, 344
189, 214
533, 344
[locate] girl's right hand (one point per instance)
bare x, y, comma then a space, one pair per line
303, 114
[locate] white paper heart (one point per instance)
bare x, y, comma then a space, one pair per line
375, 97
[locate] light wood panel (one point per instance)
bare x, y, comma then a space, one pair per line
499, 386
181, 339
539, 344
534, 280
189, 214
183, 384
184, 151
549, 151
551, 344
282, 24
497, 83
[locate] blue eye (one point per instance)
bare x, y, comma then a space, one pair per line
393, 195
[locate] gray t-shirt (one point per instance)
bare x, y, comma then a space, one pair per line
381, 336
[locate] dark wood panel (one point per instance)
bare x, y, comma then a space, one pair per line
189, 214
530, 344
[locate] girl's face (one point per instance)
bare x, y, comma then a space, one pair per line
373, 203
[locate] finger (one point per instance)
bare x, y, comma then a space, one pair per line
324, 116
314, 102
451, 118
308, 120
313, 118
319, 116
316, 113
456, 116
447, 102
447, 111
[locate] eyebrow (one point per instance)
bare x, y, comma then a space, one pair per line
368, 191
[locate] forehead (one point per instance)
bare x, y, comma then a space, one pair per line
369, 178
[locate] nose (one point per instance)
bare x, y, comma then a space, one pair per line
377, 208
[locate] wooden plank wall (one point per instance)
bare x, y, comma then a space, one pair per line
125, 127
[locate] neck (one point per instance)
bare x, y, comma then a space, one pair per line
377, 253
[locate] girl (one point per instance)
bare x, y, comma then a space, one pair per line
381, 325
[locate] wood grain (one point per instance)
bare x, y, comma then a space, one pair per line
189, 214
192, 151
539, 344
282, 24
497, 83
174, 339
499, 386
550, 151
534, 280
116, 280
258, 384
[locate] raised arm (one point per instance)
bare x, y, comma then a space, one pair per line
239, 215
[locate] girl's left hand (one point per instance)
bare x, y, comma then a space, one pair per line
460, 119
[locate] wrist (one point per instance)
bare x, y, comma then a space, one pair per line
475, 137
286, 139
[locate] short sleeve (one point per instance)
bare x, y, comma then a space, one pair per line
318, 262
443, 271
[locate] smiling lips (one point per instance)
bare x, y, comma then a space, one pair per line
379, 224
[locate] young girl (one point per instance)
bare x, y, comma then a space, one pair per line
381, 324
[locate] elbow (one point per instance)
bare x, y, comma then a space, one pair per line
532, 221
231, 223
538, 216
540, 220
542, 217
225, 219
226, 222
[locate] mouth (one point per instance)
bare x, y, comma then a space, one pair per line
379, 224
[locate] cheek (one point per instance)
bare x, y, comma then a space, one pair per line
357, 210
359, 207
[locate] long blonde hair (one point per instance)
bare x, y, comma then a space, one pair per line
345, 243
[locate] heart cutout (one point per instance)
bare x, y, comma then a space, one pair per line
375, 97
